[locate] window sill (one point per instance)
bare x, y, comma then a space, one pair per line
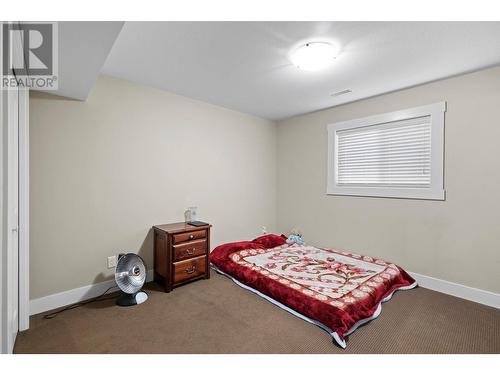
401, 193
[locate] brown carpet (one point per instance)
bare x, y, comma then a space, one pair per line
217, 316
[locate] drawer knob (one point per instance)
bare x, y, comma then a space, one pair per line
191, 236
190, 252
191, 270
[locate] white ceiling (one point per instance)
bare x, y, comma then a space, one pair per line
245, 65
83, 48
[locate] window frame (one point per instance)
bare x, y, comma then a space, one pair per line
436, 189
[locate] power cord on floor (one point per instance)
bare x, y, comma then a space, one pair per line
79, 304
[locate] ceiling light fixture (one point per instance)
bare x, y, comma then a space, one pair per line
314, 56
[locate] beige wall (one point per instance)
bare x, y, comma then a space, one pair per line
105, 170
456, 240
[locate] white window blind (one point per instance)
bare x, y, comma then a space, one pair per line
397, 154
393, 154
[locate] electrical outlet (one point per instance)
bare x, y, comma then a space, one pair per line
264, 229
112, 261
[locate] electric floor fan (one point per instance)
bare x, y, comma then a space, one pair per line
130, 275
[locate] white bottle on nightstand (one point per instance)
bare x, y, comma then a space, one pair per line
193, 214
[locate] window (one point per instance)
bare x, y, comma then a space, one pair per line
397, 154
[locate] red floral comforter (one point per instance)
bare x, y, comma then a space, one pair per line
338, 289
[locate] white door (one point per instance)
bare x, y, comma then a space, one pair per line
14, 239
10, 227
12, 234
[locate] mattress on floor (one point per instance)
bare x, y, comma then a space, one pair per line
336, 290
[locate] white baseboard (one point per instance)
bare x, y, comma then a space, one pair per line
72, 296
69, 297
466, 292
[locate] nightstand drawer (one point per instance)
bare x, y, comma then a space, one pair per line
189, 236
180, 254
190, 250
189, 269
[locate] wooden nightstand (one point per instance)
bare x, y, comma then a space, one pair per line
180, 254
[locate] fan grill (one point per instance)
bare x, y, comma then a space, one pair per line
130, 273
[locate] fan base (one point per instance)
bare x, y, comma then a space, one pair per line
132, 299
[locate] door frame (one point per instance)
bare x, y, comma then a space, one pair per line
24, 234
8, 332
4, 230
10, 243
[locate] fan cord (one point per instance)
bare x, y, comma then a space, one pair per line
79, 304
